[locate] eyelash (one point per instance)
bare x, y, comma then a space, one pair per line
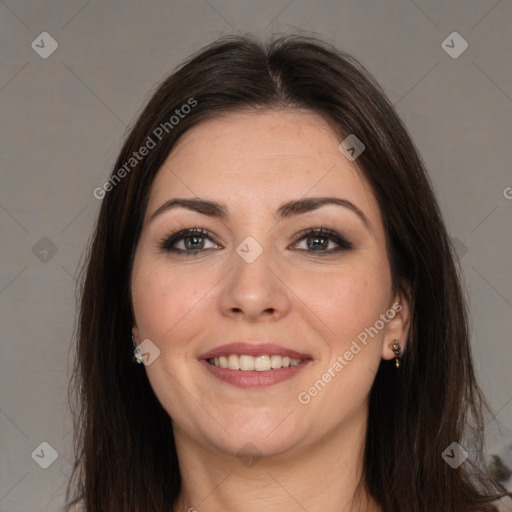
167, 242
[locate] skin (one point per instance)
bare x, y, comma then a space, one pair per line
305, 456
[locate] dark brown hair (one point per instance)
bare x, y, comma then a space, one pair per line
124, 445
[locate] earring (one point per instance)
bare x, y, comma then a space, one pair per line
397, 349
137, 358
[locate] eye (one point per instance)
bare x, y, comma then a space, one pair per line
192, 241
317, 241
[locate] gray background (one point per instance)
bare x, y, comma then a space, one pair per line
63, 119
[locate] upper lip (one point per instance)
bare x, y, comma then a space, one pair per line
253, 349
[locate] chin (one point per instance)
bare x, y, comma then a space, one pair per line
261, 441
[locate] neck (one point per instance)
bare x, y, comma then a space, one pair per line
327, 475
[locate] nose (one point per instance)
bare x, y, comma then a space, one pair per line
255, 291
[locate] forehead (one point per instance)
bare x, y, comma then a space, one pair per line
259, 159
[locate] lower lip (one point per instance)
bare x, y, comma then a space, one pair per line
254, 379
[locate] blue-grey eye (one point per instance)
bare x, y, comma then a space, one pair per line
318, 240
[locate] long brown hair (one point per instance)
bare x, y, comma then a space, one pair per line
124, 445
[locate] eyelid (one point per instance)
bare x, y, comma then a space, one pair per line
321, 230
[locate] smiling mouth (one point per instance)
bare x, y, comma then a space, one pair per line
259, 363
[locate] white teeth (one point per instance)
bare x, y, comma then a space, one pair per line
246, 363
233, 363
260, 363
276, 361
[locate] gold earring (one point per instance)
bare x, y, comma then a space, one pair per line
137, 358
397, 349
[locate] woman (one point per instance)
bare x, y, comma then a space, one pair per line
270, 245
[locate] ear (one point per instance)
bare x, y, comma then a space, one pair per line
398, 326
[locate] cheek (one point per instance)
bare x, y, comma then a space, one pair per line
161, 297
350, 303
347, 300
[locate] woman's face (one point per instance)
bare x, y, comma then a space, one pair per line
254, 289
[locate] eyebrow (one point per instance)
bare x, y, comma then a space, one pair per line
286, 210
